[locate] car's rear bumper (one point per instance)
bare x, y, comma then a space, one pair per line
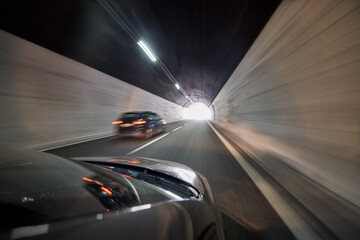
131, 134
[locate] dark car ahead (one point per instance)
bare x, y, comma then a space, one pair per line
43, 196
139, 124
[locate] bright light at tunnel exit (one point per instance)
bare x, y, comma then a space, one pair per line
198, 111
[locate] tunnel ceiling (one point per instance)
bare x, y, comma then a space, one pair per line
199, 42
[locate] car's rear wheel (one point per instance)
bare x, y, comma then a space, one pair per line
148, 133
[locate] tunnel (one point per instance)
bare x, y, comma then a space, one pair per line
281, 79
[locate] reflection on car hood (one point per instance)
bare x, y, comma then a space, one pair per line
173, 169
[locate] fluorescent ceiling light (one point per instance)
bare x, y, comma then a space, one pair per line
177, 86
147, 51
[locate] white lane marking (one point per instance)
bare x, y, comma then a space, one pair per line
186, 124
78, 142
147, 144
293, 221
177, 129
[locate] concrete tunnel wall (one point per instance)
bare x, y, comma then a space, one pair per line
47, 100
296, 96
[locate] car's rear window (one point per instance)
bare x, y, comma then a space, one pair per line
144, 115
130, 115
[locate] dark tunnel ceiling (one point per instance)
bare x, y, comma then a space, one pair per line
200, 42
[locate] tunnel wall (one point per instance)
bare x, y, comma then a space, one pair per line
296, 95
48, 100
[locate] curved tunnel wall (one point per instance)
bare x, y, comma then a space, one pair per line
296, 94
47, 100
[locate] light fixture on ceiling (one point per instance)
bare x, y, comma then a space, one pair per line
147, 51
115, 11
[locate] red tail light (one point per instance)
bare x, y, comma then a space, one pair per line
139, 122
117, 122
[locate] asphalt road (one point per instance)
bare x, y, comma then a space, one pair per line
246, 212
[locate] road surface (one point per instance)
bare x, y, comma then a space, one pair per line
246, 212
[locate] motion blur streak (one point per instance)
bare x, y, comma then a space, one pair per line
127, 176
106, 190
296, 224
88, 101
87, 179
147, 51
117, 122
294, 105
133, 161
139, 122
29, 231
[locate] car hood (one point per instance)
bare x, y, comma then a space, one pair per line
172, 169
